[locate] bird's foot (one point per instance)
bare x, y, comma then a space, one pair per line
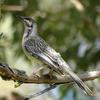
35, 74
50, 73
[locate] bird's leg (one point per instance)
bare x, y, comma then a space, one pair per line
51, 73
36, 72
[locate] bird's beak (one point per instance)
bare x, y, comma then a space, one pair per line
20, 17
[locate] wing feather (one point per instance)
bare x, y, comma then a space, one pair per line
40, 49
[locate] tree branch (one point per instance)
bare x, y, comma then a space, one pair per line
8, 73
20, 76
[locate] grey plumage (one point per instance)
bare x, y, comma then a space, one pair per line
41, 50
35, 47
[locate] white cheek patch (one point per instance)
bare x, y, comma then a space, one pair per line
28, 23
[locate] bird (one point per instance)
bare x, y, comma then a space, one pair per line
37, 49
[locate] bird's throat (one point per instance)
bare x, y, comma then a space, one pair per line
30, 32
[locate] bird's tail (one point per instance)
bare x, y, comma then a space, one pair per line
78, 81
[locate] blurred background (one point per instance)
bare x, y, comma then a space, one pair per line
71, 27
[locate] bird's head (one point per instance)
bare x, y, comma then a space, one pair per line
30, 25
28, 21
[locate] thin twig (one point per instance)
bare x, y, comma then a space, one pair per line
40, 93
22, 6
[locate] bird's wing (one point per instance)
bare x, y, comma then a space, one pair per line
39, 48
